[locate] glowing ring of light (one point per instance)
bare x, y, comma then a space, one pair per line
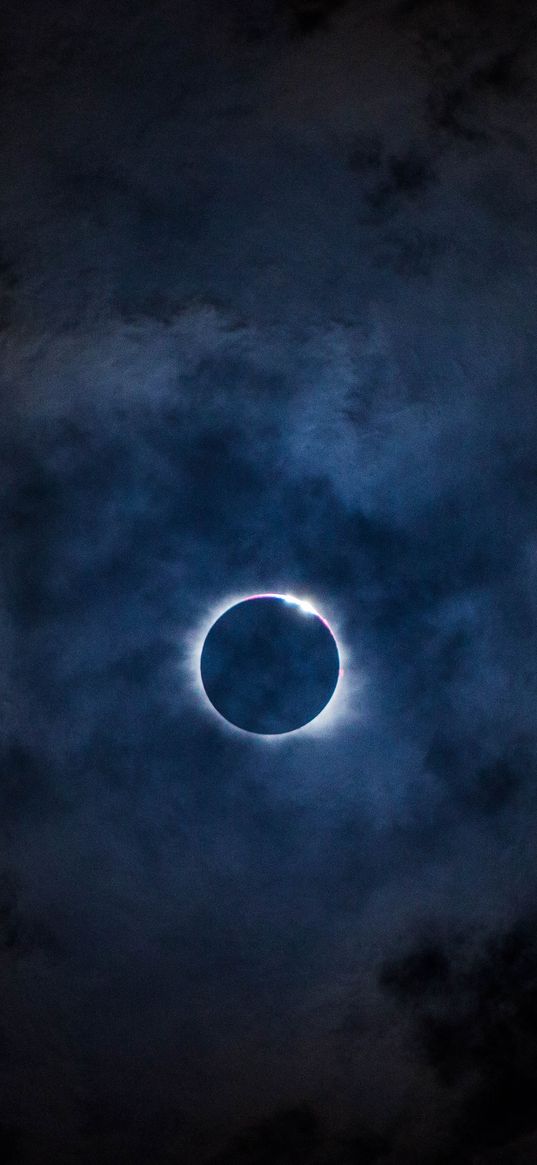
335, 712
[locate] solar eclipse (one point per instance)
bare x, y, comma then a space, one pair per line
270, 664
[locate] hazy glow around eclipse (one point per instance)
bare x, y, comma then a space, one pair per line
336, 712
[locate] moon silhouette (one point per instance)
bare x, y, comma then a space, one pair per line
270, 664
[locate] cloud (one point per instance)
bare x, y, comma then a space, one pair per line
472, 1009
295, 1135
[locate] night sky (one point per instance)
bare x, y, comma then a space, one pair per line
268, 324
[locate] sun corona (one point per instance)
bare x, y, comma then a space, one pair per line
269, 663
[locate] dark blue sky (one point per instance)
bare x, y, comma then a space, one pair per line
268, 302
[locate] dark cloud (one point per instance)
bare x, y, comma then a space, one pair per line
293, 1136
474, 1014
406, 178
424, 970
287, 1138
487, 788
309, 16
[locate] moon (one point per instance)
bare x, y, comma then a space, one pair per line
270, 664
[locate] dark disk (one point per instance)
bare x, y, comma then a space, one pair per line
269, 664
